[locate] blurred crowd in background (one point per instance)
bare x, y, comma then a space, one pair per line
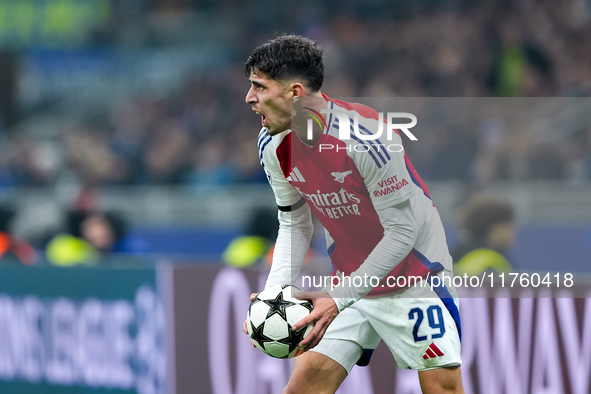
203, 135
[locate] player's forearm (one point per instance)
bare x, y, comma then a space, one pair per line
291, 247
399, 238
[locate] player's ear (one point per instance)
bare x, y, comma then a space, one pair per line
298, 89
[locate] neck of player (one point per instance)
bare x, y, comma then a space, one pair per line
302, 120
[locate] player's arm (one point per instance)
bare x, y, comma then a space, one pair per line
295, 223
295, 220
293, 240
392, 192
400, 233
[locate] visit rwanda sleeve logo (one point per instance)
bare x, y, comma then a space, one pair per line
389, 185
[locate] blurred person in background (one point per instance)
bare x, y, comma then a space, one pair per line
94, 238
12, 249
166, 156
211, 167
487, 231
254, 244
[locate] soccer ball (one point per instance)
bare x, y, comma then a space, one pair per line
270, 317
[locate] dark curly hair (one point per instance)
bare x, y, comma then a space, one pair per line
289, 56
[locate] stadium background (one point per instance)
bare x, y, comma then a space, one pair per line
137, 108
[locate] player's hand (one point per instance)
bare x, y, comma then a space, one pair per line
324, 312
244, 327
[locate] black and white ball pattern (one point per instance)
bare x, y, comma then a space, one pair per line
270, 318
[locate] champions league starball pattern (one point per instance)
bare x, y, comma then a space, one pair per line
270, 319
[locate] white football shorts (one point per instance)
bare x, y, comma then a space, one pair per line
421, 328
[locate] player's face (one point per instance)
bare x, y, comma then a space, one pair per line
272, 100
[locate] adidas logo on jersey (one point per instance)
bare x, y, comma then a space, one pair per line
295, 176
432, 352
340, 176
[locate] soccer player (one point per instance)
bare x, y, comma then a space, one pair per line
382, 229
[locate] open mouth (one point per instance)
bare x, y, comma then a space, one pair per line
263, 117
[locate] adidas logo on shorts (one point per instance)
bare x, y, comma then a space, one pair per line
432, 352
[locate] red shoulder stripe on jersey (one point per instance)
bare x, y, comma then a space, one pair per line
415, 177
283, 152
361, 109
